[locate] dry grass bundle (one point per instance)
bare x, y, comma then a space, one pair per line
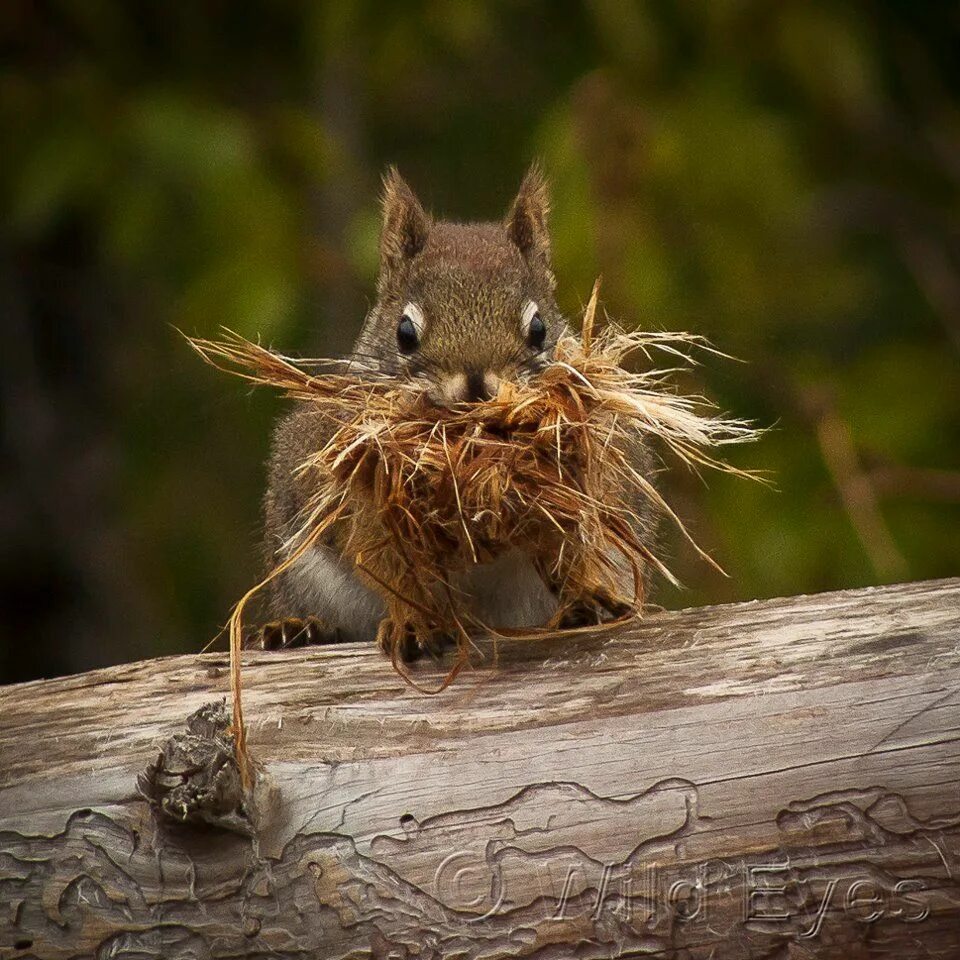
420, 493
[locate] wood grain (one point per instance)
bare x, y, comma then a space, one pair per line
775, 779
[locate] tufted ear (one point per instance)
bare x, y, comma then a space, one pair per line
526, 221
405, 225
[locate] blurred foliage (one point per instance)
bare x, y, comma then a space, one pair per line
780, 176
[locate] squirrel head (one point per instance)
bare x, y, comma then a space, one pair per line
462, 306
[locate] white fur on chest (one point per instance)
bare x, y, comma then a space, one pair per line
507, 593
327, 588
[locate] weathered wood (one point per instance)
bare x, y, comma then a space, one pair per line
772, 779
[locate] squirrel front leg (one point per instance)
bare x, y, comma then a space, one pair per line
407, 631
331, 594
319, 598
587, 596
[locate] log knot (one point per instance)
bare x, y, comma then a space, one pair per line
195, 778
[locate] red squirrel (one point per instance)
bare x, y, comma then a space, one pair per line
459, 308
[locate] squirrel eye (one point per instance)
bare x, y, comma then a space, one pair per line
408, 336
538, 332
533, 326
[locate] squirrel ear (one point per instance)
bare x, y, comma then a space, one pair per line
526, 221
405, 223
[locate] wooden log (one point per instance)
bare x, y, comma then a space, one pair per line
774, 779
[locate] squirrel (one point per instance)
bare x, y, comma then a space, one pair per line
459, 308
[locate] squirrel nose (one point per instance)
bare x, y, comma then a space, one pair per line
471, 386
476, 387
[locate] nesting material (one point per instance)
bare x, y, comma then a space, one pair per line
414, 493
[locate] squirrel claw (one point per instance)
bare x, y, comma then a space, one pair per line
592, 611
410, 648
438, 645
405, 646
292, 632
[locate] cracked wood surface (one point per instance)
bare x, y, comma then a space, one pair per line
774, 779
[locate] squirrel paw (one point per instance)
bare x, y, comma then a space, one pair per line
409, 648
293, 632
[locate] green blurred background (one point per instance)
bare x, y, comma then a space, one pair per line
780, 176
